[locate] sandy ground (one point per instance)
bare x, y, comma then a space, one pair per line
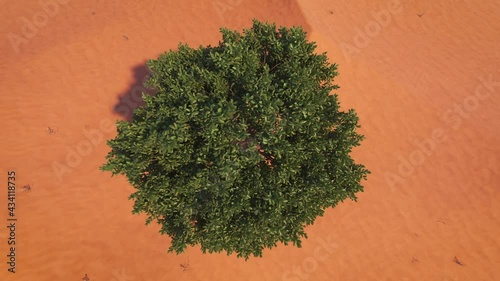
423, 75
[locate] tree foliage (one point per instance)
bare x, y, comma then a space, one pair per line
242, 145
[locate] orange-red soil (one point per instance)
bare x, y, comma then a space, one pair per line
423, 76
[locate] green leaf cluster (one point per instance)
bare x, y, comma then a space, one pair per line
242, 145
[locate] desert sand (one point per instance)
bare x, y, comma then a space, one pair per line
423, 76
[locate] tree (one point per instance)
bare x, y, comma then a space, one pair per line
242, 145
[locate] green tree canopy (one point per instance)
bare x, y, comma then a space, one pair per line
243, 144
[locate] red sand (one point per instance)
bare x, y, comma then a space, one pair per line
432, 139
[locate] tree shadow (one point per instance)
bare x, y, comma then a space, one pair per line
289, 16
131, 98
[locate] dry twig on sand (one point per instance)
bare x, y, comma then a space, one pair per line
26, 188
51, 131
184, 266
457, 261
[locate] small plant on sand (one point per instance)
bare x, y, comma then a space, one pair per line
243, 144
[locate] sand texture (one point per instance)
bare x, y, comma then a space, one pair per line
423, 76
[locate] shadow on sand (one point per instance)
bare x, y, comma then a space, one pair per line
132, 97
